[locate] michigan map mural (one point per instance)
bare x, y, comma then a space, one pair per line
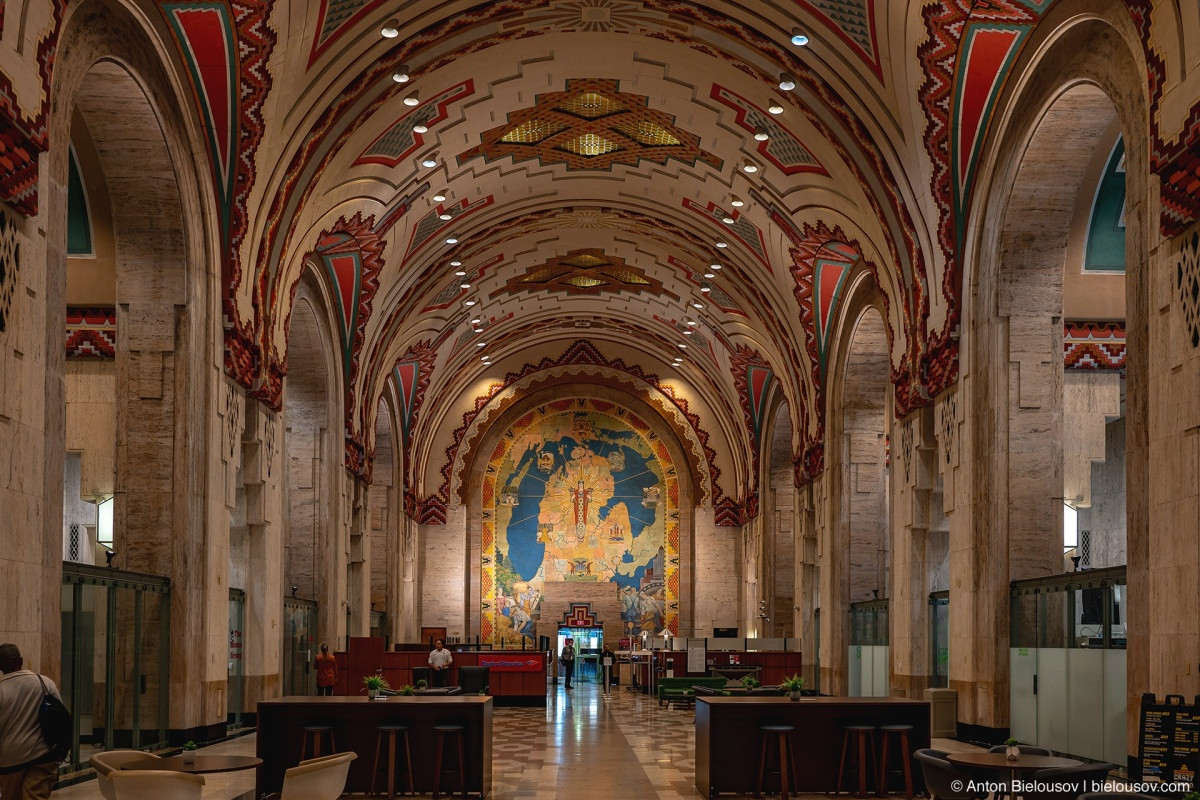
579, 490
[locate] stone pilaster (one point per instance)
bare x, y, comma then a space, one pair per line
262, 472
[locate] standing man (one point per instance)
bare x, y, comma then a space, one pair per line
27, 768
568, 661
326, 670
440, 661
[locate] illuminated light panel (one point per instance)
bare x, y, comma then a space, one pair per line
583, 283
649, 134
591, 105
532, 132
590, 144
584, 261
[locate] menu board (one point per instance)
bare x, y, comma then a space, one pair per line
1169, 739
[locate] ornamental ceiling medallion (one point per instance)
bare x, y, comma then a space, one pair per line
584, 272
591, 126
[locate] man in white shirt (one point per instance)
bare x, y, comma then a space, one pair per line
27, 769
440, 661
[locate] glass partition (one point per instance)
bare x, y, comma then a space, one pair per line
237, 670
868, 668
299, 630
1067, 663
116, 654
939, 640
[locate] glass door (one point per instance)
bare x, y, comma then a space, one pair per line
939, 640
299, 632
237, 669
869, 668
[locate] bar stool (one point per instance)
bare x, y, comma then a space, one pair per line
442, 732
782, 734
392, 731
863, 736
899, 732
313, 734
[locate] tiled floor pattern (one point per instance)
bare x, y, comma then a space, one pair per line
581, 746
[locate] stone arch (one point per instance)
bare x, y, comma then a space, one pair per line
778, 513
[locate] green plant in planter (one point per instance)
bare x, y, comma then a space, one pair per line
792, 684
1011, 742
407, 690
189, 745
422, 684
750, 682
375, 682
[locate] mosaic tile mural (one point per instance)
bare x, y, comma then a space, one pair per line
579, 490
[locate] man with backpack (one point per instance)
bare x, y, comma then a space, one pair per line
28, 764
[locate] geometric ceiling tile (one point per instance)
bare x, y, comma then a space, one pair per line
854, 23
584, 272
432, 224
334, 18
742, 229
400, 141
590, 126
782, 148
833, 263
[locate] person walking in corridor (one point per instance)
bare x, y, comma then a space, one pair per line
568, 661
326, 670
27, 765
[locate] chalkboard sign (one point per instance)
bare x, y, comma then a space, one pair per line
1169, 739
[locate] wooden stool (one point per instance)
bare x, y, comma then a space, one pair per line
863, 735
313, 734
787, 764
392, 731
442, 732
900, 731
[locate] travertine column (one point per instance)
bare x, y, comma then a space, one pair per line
262, 470
806, 581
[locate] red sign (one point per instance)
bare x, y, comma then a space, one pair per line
512, 663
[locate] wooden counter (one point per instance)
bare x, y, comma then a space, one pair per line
728, 739
354, 720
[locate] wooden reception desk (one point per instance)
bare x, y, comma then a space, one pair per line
354, 720
728, 737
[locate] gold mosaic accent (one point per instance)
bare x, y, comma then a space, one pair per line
591, 105
583, 283
584, 261
625, 276
648, 134
532, 132
590, 144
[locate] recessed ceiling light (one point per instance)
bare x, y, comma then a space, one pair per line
682, 346
464, 286
451, 240
475, 321
413, 99
710, 274
722, 244
439, 197
688, 332
460, 273
390, 29
705, 289
697, 305
480, 344
457, 264
736, 201
775, 107
691, 322
760, 135
786, 82
420, 127
728, 220
445, 216
749, 166
469, 303
799, 37
485, 358
714, 266
429, 162
401, 75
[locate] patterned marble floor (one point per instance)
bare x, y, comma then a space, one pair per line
581, 746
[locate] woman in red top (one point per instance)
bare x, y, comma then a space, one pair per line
326, 670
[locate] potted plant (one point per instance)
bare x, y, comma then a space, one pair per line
750, 682
189, 752
1011, 751
407, 690
422, 684
374, 683
793, 686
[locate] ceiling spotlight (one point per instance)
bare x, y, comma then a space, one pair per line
485, 358
721, 244
750, 167
412, 99
457, 264
464, 286
439, 197
736, 201
475, 321
697, 305
775, 107
760, 135
429, 162
705, 289
688, 332
728, 220
715, 267
799, 37
691, 323
401, 75
786, 82
682, 346
390, 29
469, 303
480, 344
445, 216
451, 240
460, 273
710, 274
420, 127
